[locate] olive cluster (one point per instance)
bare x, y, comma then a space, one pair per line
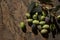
39, 18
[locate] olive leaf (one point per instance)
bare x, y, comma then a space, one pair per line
31, 6
38, 9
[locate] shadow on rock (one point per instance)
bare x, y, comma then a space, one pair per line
54, 33
24, 29
45, 35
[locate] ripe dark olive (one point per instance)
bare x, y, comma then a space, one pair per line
42, 22
34, 29
47, 19
33, 26
44, 31
22, 25
42, 18
27, 15
46, 26
35, 22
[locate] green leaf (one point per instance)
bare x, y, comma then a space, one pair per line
31, 6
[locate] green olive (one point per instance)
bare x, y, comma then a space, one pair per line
36, 4
22, 25
42, 22
58, 17
35, 22
39, 27
27, 15
46, 26
44, 31
34, 16
29, 20
42, 18
36, 13
43, 13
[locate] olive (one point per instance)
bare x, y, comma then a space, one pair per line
42, 18
43, 13
22, 25
36, 4
39, 27
34, 16
47, 20
42, 22
27, 15
58, 17
34, 29
45, 26
44, 31
35, 22
29, 21
36, 13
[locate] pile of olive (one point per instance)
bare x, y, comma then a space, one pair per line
40, 19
